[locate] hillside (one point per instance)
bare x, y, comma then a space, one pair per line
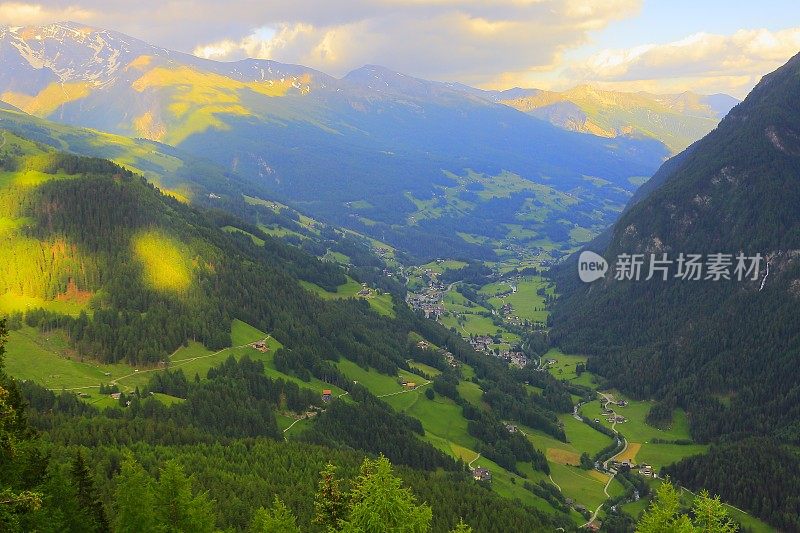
676, 120
112, 286
724, 350
370, 151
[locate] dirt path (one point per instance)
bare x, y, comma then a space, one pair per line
476, 458
553, 482
292, 424
175, 364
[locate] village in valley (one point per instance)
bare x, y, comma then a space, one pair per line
608, 438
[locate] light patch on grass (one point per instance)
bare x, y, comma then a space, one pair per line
148, 127
167, 265
563, 457
198, 97
630, 453
49, 99
140, 62
11, 302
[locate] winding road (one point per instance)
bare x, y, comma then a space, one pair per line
608, 399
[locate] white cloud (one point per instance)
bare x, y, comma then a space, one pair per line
24, 14
729, 62
468, 40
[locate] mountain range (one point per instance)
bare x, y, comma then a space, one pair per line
400, 158
677, 120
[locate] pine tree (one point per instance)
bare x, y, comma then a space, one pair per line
711, 516
330, 504
665, 514
86, 494
380, 503
278, 519
178, 509
134, 500
461, 527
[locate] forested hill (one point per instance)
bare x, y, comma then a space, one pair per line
726, 351
124, 274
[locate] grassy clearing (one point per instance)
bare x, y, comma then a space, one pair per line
258, 241
528, 304
581, 485
582, 436
45, 360
380, 303
422, 367
373, 380
10, 303
564, 366
660, 455
441, 265
636, 429
166, 399
243, 333
48, 360
472, 393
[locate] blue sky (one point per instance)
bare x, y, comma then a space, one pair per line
665, 20
660, 46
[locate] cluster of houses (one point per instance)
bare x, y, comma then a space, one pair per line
428, 301
481, 343
644, 469
517, 359
609, 413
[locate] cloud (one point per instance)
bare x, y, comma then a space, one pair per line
735, 61
467, 40
23, 14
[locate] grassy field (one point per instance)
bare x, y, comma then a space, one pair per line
583, 486
256, 240
564, 367
472, 393
10, 303
660, 455
527, 303
636, 429
373, 380
48, 360
422, 367
580, 438
441, 265
381, 303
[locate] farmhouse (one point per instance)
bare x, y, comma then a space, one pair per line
261, 346
511, 428
481, 474
326, 395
